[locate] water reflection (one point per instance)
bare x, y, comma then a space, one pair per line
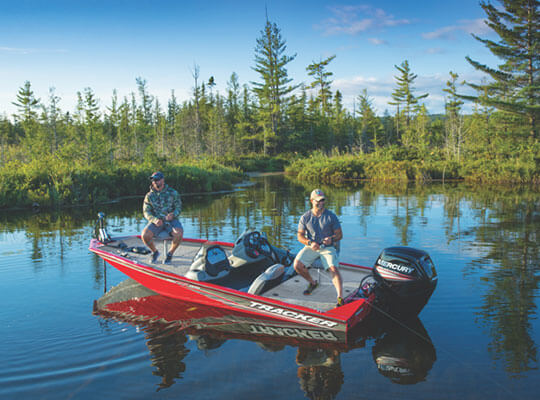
494, 230
402, 351
509, 268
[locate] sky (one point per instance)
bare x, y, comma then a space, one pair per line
106, 45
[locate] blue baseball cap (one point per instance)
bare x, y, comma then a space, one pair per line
156, 176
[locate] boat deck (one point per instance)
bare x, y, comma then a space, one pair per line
323, 298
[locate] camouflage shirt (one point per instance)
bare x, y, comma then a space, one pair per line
158, 204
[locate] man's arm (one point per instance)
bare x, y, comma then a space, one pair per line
301, 236
338, 235
305, 241
148, 211
177, 205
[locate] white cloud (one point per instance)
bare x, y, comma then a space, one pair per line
435, 50
16, 50
380, 90
352, 20
377, 41
475, 26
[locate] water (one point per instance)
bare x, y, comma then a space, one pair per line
477, 337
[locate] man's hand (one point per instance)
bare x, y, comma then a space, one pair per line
315, 246
159, 222
327, 241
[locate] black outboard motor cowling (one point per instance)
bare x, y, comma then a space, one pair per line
406, 279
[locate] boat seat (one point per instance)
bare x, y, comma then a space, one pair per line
166, 237
209, 263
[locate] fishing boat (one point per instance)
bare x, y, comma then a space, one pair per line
257, 280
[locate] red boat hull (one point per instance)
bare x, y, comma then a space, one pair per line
339, 320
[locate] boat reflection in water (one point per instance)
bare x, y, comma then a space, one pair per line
403, 352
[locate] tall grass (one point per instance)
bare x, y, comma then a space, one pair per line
53, 183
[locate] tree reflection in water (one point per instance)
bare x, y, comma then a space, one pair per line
497, 225
507, 237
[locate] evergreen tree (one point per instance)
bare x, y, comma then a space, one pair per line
195, 73
232, 113
516, 83
146, 101
321, 82
26, 103
5, 130
454, 120
403, 94
273, 92
51, 116
370, 126
94, 141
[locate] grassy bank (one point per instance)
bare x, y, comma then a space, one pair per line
383, 166
53, 183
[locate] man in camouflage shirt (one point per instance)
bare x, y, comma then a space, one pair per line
162, 205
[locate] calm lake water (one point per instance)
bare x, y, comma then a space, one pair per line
477, 338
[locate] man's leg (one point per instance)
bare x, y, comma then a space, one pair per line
147, 237
301, 269
177, 236
337, 280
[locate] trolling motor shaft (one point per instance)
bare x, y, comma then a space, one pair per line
100, 230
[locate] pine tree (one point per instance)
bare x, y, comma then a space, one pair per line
26, 103
454, 120
274, 91
321, 82
403, 94
516, 83
232, 109
51, 116
370, 126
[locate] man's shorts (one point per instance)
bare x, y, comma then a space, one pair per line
328, 256
167, 226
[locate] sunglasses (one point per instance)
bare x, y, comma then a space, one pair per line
320, 201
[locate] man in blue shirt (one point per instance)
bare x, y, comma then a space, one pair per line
319, 231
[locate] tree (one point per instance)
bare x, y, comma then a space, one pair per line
403, 94
92, 129
322, 82
26, 103
454, 119
274, 90
232, 109
146, 101
51, 115
516, 82
370, 126
195, 73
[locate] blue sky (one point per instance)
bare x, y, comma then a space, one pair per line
106, 45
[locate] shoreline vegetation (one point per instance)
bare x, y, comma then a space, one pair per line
47, 184
56, 158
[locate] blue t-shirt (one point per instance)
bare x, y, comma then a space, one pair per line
318, 228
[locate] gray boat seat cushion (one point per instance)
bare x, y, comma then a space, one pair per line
210, 262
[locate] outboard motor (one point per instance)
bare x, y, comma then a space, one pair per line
406, 278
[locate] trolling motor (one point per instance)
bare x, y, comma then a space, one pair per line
100, 230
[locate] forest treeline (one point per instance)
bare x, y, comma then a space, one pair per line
55, 156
